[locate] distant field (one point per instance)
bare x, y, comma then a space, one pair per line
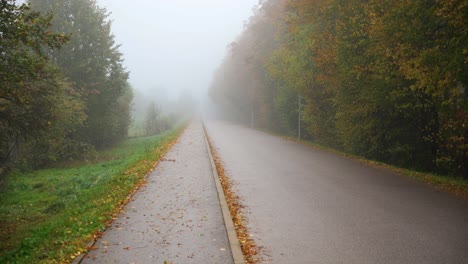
48, 216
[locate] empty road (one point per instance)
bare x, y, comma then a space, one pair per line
310, 206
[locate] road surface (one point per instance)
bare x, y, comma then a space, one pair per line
310, 206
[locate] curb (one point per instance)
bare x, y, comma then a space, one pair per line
230, 229
80, 258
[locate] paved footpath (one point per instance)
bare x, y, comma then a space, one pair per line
176, 217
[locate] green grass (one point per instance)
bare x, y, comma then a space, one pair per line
49, 216
448, 183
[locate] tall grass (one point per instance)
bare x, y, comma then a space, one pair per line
48, 216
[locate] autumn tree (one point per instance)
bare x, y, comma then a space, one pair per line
241, 84
431, 61
300, 69
381, 79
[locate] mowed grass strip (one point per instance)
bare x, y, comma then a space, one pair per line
49, 216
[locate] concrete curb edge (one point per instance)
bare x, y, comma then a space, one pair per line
234, 243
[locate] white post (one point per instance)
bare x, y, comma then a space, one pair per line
299, 119
252, 119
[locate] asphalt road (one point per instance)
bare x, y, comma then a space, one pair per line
310, 206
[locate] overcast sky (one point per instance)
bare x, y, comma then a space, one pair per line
175, 44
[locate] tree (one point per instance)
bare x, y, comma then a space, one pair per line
152, 120
430, 64
93, 64
382, 79
33, 92
241, 85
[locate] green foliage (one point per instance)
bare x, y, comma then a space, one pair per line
64, 91
35, 100
48, 216
382, 79
93, 63
59, 104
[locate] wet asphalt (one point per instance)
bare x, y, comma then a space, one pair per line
175, 218
310, 206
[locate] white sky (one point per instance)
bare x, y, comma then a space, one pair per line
175, 44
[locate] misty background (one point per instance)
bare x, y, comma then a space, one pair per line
104, 70
282, 66
171, 48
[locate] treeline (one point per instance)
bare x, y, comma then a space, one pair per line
154, 112
385, 79
64, 91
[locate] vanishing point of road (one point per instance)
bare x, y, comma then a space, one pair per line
309, 206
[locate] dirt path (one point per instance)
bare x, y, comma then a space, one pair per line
175, 217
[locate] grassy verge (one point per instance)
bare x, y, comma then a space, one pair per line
451, 184
49, 216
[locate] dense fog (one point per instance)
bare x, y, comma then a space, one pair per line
311, 110
346, 75
173, 47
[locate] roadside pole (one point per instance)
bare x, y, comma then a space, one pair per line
252, 120
299, 118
